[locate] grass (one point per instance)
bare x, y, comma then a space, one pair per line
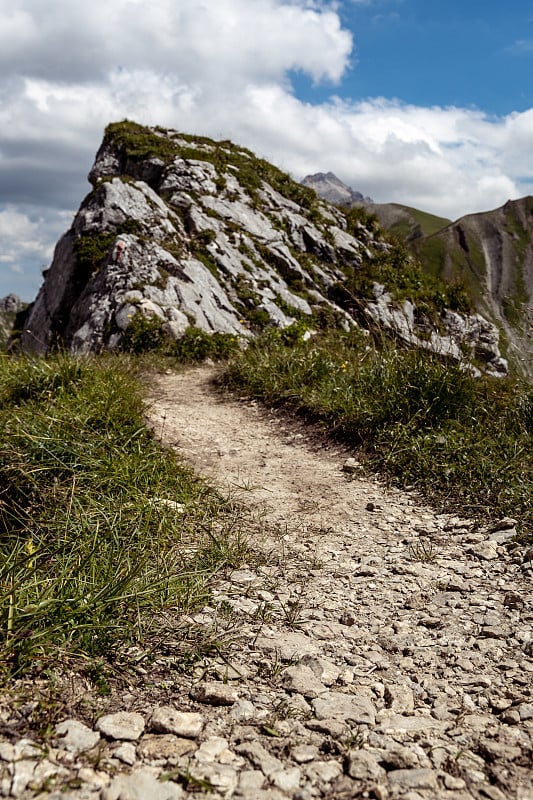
465, 443
100, 527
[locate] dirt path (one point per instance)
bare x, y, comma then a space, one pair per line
402, 635
259, 455
372, 647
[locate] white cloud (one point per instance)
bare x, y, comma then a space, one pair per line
232, 39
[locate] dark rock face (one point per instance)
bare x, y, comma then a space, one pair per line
186, 231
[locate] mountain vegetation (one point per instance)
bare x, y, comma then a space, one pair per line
490, 254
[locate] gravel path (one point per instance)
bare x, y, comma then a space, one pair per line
375, 648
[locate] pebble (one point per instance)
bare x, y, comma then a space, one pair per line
166, 719
215, 694
121, 725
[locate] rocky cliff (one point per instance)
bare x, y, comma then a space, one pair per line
185, 231
491, 253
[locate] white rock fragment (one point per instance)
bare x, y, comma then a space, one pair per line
215, 693
123, 725
167, 719
141, 784
76, 737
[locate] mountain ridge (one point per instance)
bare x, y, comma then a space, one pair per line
491, 252
182, 231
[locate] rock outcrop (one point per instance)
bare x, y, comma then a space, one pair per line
184, 231
491, 253
10, 307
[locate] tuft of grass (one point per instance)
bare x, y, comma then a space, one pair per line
100, 527
464, 442
145, 335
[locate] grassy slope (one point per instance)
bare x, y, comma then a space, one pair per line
467, 444
407, 222
92, 542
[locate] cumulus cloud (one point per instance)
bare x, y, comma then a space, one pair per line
221, 69
28, 236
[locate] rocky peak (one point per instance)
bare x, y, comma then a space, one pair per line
184, 231
332, 189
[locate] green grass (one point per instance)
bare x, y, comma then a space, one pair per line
92, 542
429, 223
465, 443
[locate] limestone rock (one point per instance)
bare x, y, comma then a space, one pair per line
186, 724
76, 737
346, 707
215, 693
141, 784
171, 241
122, 725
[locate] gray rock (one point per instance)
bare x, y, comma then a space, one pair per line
250, 781
141, 784
363, 766
487, 551
122, 725
399, 699
221, 777
396, 724
215, 693
303, 680
261, 758
126, 753
292, 645
304, 753
243, 710
287, 780
186, 724
425, 779
76, 737
347, 707
321, 772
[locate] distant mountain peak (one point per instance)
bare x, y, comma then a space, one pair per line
332, 189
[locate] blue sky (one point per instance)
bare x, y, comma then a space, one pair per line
425, 103
461, 52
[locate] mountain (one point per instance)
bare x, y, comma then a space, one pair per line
406, 222
491, 253
332, 189
180, 231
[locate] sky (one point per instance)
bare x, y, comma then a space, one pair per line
413, 101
